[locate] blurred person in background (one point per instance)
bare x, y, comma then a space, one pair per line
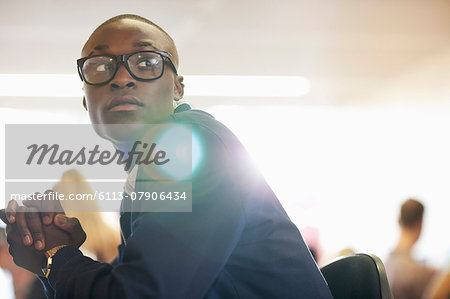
346, 251
312, 240
408, 278
439, 288
102, 240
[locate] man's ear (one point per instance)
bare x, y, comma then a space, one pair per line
178, 88
84, 103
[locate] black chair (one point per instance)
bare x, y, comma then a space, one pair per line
357, 276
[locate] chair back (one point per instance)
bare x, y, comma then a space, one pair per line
358, 276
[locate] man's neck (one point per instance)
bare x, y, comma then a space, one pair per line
407, 240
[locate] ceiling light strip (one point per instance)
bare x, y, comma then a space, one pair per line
62, 85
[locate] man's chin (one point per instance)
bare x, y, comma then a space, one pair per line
120, 133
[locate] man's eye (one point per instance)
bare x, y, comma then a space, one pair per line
102, 67
148, 63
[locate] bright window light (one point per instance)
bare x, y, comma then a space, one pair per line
40, 85
247, 86
62, 85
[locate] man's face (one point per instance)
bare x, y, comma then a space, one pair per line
154, 99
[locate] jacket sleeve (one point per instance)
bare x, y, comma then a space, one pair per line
167, 255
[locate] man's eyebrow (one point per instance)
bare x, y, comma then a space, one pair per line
140, 44
149, 44
99, 48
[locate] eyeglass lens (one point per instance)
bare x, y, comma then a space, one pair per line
143, 65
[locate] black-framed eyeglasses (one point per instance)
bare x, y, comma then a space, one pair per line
142, 66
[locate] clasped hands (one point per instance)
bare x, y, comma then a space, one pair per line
36, 227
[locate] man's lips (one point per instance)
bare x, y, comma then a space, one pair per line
124, 103
128, 107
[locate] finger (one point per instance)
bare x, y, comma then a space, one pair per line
11, 211
48, 214
35, 226
23, 226
57, 207
54, 207
47, 205
3, 216
73, 227
33, 201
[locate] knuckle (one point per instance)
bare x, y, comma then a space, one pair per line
29, 215
31, 203
37, 233
32, 210
23, 227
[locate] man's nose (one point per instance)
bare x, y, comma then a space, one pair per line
122, 79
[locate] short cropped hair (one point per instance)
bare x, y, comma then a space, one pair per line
136, 18
411, 213
140, 19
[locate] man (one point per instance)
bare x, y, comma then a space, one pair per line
408, 278
237, 242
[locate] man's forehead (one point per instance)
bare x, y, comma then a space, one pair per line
130, 32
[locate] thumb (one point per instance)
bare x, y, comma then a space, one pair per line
72, 226
62, 221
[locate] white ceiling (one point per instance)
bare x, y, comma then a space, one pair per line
354, 52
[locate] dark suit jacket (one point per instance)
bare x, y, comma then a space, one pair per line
237, 242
